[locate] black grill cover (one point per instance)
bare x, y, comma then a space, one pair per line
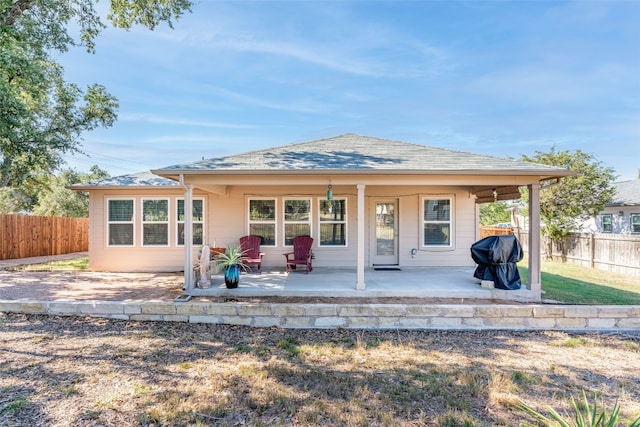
496, 257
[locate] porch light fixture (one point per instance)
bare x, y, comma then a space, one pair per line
495, 195
330, 192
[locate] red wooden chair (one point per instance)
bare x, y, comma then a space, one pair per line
301, 255
250, 247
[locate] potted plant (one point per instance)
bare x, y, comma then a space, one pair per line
232, 260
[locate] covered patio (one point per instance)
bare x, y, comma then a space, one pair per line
416, 282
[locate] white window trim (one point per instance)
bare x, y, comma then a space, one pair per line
178, 222
451, 222
143, 222
345, 222
285, 222
108, 223
610, 216
631, 216
274, 221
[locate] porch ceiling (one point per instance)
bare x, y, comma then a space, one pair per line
492, 194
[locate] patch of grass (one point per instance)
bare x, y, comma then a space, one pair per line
457, 418
241, 348
125, 351
571, 342
72, 391
573, 284
141, 389
185, 366
80, 263
18, 403
523, 377
262, 350
111, 401
631, 345
290, 347
41, 338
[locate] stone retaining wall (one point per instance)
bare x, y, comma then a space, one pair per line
355, 316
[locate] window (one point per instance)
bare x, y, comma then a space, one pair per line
120, 222
262, 220
297, 219
155, 222
197, 220
437, 226
635, 223
333, 222
607, 220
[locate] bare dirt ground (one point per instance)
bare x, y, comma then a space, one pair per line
70, 371
87, 285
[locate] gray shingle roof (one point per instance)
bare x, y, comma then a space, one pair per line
140, 179
361, 153
627, 193
348, 153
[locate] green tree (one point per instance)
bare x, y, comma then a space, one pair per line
494, 213
58, 200
46, 194
42, 115
566, 204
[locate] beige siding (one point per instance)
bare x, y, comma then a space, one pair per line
410, 236
226, 221
136, 258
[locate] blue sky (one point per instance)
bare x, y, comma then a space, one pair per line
489, 77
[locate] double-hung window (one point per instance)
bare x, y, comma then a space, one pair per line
155, 222
437, 222
297, 219
333, 222
197, 221
607, 223
120, 219
635, 222
262, 220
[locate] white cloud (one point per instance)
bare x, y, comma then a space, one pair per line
148, 118
300, 106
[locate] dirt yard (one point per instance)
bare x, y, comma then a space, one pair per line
69, 371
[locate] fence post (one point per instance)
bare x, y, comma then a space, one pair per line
592, 254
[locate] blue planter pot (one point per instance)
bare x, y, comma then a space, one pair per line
232, 276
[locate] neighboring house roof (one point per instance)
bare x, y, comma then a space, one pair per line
134, 180
361, 154
627, 193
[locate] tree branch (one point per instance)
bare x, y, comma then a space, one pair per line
15, 12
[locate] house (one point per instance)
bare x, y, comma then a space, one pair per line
622, 215
366, 201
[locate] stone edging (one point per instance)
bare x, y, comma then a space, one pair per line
353, 316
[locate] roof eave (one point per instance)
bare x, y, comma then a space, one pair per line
543, 174
120, 187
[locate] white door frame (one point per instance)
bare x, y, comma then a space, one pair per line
391, 257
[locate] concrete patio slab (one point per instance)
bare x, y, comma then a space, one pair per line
423, 282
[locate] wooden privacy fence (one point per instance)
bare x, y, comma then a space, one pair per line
23, 236
488, 230
619, 253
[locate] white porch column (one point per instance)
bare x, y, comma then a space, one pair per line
360, 262
188, 237
534, 239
